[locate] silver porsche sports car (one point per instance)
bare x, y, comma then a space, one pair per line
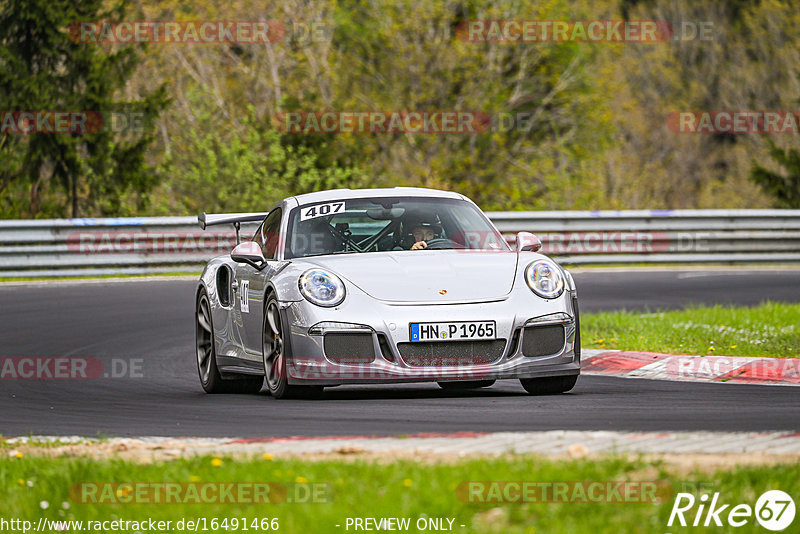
382, 286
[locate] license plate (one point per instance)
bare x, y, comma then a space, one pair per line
452, 331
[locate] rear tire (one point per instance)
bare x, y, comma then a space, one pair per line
466, 384
549, 386
275, 352
210, 377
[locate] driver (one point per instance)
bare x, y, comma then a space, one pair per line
424, 228
422, 232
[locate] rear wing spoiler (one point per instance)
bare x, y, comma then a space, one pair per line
236, 219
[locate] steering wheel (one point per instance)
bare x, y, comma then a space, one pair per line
439, 243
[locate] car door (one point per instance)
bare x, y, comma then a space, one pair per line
251, 284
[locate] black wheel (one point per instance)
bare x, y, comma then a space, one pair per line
467, 384
210, 377
549, 386
276, 352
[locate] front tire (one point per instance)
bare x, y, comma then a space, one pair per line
210, 377
275, 352
550, 385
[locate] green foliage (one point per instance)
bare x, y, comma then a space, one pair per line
42, 69
785, 188
248, 169
589, 119
542, 98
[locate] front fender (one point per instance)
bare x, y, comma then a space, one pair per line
284, 283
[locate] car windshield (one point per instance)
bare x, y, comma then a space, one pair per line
379, 224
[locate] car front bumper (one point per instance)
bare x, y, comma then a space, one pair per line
360, 314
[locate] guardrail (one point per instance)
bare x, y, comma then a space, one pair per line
142, 245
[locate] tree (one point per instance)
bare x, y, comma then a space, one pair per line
42, 69
785, 189
547, 114
248, 169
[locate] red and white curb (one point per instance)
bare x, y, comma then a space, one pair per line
556, 442
723, 369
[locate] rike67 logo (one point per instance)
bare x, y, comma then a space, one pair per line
774, 510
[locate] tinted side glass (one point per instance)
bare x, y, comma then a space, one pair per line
270, 234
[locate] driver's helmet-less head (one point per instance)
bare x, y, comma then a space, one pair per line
421, 227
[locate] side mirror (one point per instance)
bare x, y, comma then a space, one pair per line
248, 252
526, 241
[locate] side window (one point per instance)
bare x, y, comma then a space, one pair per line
270, 234
257, 236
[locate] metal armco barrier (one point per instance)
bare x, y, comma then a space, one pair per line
142, 245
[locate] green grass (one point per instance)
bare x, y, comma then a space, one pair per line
380, 489
771, 329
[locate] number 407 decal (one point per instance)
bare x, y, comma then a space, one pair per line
321, 210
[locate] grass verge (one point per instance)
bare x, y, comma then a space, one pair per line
34, 487
771, 329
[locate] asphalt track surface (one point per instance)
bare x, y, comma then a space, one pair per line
152, 321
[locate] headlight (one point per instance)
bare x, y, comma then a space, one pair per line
322, 288
545, 279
